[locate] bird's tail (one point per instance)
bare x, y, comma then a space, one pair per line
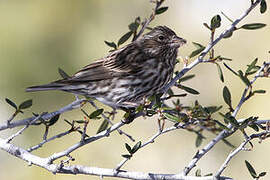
45, 87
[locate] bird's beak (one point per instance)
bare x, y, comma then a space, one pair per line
177, 42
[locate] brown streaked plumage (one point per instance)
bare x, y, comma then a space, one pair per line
127, 75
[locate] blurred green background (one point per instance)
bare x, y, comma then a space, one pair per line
37, 37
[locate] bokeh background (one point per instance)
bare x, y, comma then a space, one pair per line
37, 37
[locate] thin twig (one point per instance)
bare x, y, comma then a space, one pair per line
23, 129
74, 105
223, 133
48, 140
111, 123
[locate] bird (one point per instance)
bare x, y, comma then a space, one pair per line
127, 75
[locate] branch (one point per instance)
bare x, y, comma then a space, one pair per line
76, 169
224, 133
152, 139
74, 105
209, 47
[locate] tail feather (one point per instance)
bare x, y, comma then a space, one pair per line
45, 87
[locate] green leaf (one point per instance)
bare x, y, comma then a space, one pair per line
221, 77
188, 89
80, 121
11, 103
244, 78
128, 148
53, 120
103, 126
124, 38
161, 10
228, 35
251, 66
212, 109
230, 119
128, 156
198, 173
198, 45
136, 147
26, 104
228, 67
111, 44
222, 125
96, 113
251, 169
215, 22
253, 26
255, 127
228, 143
263, 6
262, 174
63, 74
171, 117
133, 26
196, 52
227, 96
259, 91
187, 77
199, 140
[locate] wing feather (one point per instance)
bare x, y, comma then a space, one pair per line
121, 62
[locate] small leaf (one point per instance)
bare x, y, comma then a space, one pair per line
136, 147
263, 6
80, 121
222, 125
96, 113
259, 91
11, 103
53, 120
26, 104
221, 77
161, 10
227, 96
196, 52
188, 89
228, 143
63, 74
262, 174
103, 126
198, 45
199, 140
128, 156
171, 117
128, 148
253, 26
244, 78
230, 119
111, 44
228, 67
212, 109
206, 25
251, 66
187, 77
198, 173
215, 22
224, 58
251, 169
124, 38
255, 127
133, 26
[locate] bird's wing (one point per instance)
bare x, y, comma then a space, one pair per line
119, 63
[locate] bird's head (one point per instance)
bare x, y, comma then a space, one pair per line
160, 40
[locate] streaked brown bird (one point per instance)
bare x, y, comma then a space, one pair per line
126, 76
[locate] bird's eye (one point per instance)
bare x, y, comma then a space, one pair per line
161, 38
